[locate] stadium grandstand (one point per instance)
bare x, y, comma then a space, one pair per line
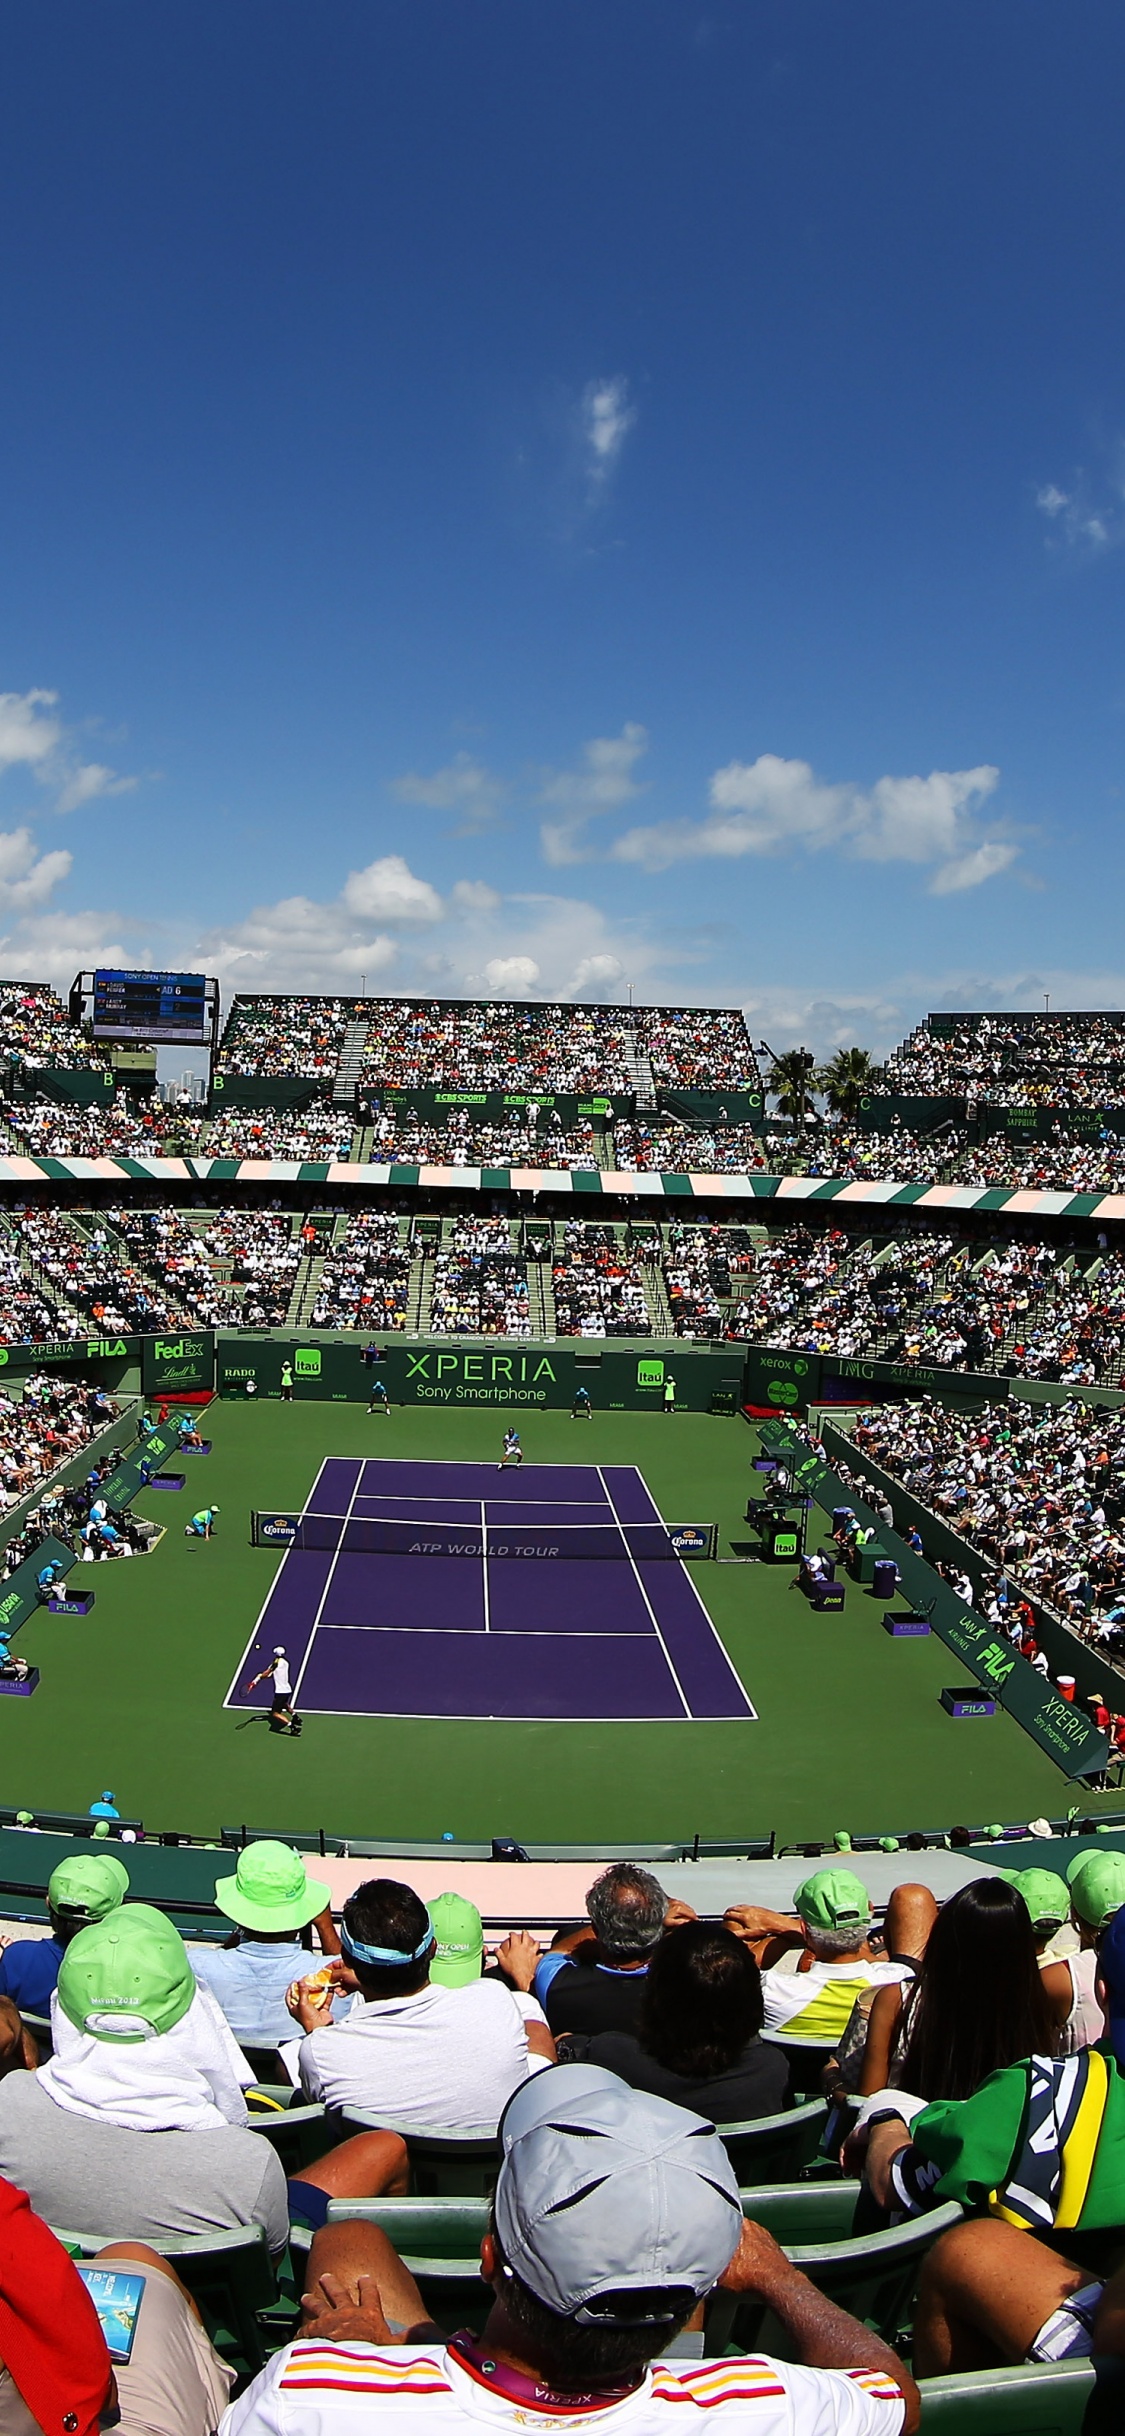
790, 1786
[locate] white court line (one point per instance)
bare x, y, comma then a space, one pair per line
249, 1650
484, 1562
472, 1632
644, 1594
324, 1593
702, 1606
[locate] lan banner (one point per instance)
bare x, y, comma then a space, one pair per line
181, 1364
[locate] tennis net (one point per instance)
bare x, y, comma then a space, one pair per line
359, 1535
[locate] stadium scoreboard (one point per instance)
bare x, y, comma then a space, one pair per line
158, 1007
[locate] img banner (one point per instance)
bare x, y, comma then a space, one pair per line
1060, 1727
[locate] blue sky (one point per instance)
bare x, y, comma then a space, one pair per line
539, 498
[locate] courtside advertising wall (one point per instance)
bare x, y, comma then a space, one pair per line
504, 1372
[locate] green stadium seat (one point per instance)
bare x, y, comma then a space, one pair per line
230, 2275
454, 2164
803, 2212
775, 2146
873, 2275
439, 2240
1060, 2398
300, 2134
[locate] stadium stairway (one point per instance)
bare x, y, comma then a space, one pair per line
541, 1297
639, 1073
351, 1064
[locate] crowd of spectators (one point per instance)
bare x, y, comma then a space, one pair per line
316, 1132
282, 1036
959, 2040
1038, 1489
897, 1156
258, 1251
401, 1137
365, 1280
456, 1045
671, 1150
1064, 1061
60, 1129
698, 1048
480, 1285
43, 1429
816, 1293
1056, 1166
599, 1283
35, 1029
696, 1268
163, 1246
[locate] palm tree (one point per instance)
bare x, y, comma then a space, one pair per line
792, 1081
846, 1080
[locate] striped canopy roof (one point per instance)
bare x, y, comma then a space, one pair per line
614, 1185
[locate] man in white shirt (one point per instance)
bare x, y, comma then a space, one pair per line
438, 2058
811, 2004
595, 2271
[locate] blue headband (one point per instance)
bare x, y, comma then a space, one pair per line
383, 1954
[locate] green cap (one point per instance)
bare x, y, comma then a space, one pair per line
92, 1883
127, 1978
833, 1899
25, 1818
271, 1890
101, 1830
1097, 1886
842, 1840
460, 1941
1046, 1895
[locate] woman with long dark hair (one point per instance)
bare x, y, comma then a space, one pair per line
699, 2041
977, 2003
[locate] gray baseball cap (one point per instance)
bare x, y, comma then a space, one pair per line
604, 2191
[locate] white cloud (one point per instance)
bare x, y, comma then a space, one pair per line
968, 870
463, 785
388, 891
770, 806
603, 780
511, 976
27, 734
475, 897
32, 738
28, 878
607, 418
88, 781
1089, 516
598, 973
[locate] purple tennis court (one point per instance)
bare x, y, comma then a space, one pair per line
379, 1616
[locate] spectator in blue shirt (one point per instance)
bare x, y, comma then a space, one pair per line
87, 1887
599, 1983
104, 1808
275, 1904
